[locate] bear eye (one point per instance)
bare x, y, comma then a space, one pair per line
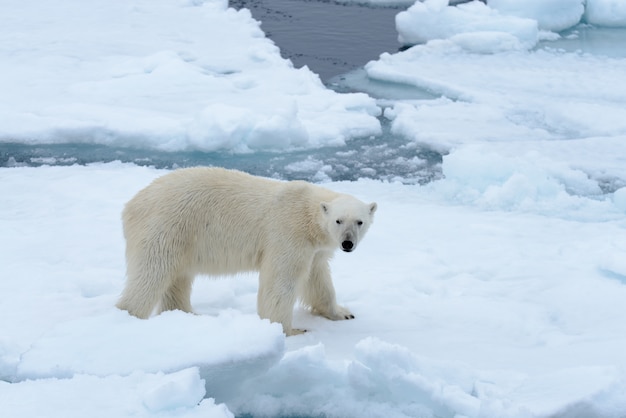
339, 221
359, 223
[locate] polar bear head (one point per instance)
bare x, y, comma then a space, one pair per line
347, 219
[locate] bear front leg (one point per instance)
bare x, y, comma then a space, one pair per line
276, 298
319, 292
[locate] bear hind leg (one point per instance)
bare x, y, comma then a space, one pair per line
140, 297
178, 296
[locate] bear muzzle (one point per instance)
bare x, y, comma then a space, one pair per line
347, 246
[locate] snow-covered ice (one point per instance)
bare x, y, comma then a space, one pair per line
179, 394
496, 291
169, 75
466, 309
180, 340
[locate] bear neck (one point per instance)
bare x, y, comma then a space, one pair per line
318, 229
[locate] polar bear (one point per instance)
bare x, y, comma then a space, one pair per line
221, 222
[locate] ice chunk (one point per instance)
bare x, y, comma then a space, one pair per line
383, 369
8, 362
181, 389
619, 198
382, 379
179, 395
552, 15
606, 12
119, 344
487, 42
434, 19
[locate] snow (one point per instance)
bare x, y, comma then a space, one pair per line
496, 291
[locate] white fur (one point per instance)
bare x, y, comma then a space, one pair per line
221, 222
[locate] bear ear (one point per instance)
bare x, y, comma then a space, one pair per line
373, 207
325, 207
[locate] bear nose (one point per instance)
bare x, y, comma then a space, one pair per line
347, 246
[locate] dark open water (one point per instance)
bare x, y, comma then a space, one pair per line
330, 38
386, 158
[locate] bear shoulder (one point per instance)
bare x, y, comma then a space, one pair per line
306, 194
298, 207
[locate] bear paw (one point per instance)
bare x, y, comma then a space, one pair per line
337, 314
296, 331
